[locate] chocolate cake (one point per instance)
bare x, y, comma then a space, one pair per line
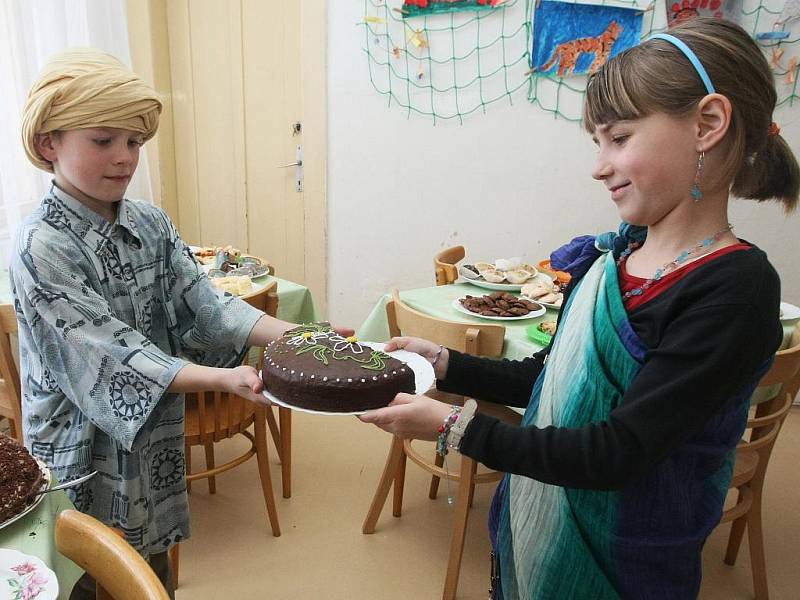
314, 367
20, 477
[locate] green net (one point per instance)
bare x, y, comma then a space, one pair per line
451, 65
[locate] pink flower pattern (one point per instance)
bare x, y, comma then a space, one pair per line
30, 583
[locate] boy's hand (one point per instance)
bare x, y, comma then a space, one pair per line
245, 382
410, 417
344, 331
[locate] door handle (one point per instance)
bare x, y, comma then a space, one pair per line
298, 168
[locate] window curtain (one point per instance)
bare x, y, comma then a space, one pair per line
31, 31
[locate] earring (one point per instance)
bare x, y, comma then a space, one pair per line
697, 193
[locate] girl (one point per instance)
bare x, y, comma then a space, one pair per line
621, 466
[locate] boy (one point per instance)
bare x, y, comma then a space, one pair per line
107, 297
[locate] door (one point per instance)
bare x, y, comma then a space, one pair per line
245, 84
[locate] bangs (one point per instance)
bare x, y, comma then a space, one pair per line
612, 94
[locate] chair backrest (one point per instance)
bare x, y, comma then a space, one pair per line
118, 569
473, 338
220, 414
785, 371
10, 391
444, 264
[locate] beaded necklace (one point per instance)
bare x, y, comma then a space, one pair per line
670, 266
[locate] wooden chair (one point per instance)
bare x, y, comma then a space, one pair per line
121, 573
10, 394
215, 416
752, 459
482, 340
445, 264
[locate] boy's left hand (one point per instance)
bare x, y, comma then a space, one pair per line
245, 382
410, 417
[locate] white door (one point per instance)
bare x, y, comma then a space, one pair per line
245, 81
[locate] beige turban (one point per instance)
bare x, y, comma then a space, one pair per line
83, 88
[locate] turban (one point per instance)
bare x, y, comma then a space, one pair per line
83, 88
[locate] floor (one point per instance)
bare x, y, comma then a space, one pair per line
322, 553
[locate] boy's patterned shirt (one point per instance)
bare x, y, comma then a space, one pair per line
108, 314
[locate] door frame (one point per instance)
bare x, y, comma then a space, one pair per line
150, 55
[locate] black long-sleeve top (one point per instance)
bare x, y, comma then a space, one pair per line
707, 336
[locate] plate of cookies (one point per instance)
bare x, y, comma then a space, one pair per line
498, 306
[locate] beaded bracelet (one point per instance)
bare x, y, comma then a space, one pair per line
444, 430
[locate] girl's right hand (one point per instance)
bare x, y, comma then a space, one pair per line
424, 348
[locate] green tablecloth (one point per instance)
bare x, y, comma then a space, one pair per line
437, 302
34, 535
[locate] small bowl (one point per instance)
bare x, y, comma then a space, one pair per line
561, 276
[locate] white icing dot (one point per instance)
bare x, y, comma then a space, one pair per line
301, 373
375, 378
363, 380
349, 381
312, 377
394, 372
324, 379
284, 368
385, 375
337, 379
402, 370
292, 371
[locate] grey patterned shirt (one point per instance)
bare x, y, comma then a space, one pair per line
108, 314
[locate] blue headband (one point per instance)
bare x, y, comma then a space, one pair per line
698, 66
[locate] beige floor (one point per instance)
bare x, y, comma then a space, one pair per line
323, 555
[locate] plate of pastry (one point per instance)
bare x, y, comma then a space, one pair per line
422, 370
545, 291
789, 312
504, 274
498, 306
28, 505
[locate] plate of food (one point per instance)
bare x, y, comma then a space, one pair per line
504, 274
26, 577
789, 312
18, 486
314, 369
545, 291
542, 333
498, 306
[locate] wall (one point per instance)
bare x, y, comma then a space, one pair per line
512, 182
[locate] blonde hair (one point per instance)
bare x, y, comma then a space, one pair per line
82, 88
655, 76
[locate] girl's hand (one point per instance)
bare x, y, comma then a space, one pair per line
245, 382
344, 331
410, 417
424, 348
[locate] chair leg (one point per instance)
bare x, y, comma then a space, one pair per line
275, 432
260, 434
175, 563
433, 491
472, 484
459, 528
387, 478
735, 537
758, 563
285, 416
212, 481
187, 452
399, 484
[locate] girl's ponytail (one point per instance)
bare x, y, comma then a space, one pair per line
770, 174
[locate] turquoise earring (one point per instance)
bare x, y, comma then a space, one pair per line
697, 193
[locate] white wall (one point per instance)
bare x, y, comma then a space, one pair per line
512, 182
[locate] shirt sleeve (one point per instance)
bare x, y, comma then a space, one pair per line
699, 366
114, 374
213, 326
507, 382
